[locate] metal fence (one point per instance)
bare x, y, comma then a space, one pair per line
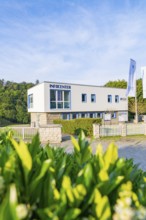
23, 133
133, 129
116, 130
110, 130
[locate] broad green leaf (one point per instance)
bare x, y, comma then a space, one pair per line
75, 144
88, 174
79, 192
111, 155
66, 185
86, 154
99, 150
103, 210
56, 194
8, 206
45, 166
97, 196
23, 153
72, 214
103, 175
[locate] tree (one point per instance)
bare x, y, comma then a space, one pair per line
13, 99
141, 103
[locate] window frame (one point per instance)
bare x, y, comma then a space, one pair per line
93, 98
117, 98
84, 95
30, 101
109, 98
59, 102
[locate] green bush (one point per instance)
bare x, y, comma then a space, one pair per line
76, 125
47, 183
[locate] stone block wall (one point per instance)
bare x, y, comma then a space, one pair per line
52, 116
96, 131
50, 134
38, 119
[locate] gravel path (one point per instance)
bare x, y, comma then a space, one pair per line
128, 148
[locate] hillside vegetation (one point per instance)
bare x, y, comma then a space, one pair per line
141, 103
13, 102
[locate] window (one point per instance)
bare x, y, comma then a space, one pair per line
74, 115
113, 115
65, 116
116, 98
53, 99
99, 114
30, 101
83, 115
109, 98
91, 115
84, 97
93, 98
66, 99
59, 99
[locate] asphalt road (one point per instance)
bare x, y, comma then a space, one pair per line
127, 147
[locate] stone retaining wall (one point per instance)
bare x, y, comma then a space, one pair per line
50, 134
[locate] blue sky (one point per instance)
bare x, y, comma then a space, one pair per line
76, 41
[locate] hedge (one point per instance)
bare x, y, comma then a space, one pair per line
76, 125
48, 184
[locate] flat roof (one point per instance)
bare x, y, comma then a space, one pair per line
77, 84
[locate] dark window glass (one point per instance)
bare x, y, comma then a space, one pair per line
116, 98
109, 98
84, 97
93, 98
53, 95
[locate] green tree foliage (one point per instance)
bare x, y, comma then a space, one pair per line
141, 103
117, 84
13, 99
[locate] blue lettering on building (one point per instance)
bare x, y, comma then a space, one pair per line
54, 86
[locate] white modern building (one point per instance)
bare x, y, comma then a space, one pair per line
56, 100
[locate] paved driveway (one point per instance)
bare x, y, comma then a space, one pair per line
128, 148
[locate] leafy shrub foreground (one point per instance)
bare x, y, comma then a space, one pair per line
75, 126
47, 183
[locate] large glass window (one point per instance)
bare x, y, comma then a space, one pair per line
52, 95
59, 99
30, 101
53, 99
59, 95
116, 98
84, 97
93, 98
109, 98
66, 99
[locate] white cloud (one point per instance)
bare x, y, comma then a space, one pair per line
82, 45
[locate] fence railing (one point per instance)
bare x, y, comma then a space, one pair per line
119, 130
110, 130
24, 133
133, 129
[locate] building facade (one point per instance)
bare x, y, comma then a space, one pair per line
53, 100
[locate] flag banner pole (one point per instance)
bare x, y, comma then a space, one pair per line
143, 73
136, 109
131, 80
